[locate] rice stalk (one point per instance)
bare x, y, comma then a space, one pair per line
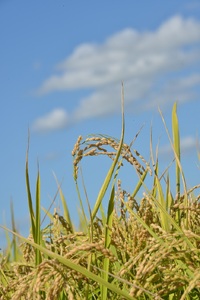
146, 249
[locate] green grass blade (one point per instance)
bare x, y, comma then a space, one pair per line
179, 172
103, 214
37, 239
108, 232
176, 156
66, 210
172, 222
14, 241
8, 246
65, 207
81, 212
139, 184
169, 198
47, 213
4, 280
176, 141
163, 213
112, 168
30, 203
154, 190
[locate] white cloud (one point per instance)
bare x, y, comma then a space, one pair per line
147, 62
186, 144
128, 54
176, 89
57, 119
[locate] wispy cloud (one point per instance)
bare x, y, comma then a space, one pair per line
186, 144
149, 63
57, 119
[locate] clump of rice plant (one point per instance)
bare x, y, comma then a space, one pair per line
147, 249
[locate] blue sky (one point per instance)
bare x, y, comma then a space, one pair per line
61, 67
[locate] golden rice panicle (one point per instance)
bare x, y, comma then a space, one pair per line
76, 153
97, 145
144, 161
28, 250
77, 145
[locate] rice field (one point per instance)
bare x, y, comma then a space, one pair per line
147, 249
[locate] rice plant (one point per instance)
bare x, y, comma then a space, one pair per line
146, 249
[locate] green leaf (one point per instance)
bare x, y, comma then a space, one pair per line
163, 212
109, 175
37, 237
176, 141
30, 203
108, 233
